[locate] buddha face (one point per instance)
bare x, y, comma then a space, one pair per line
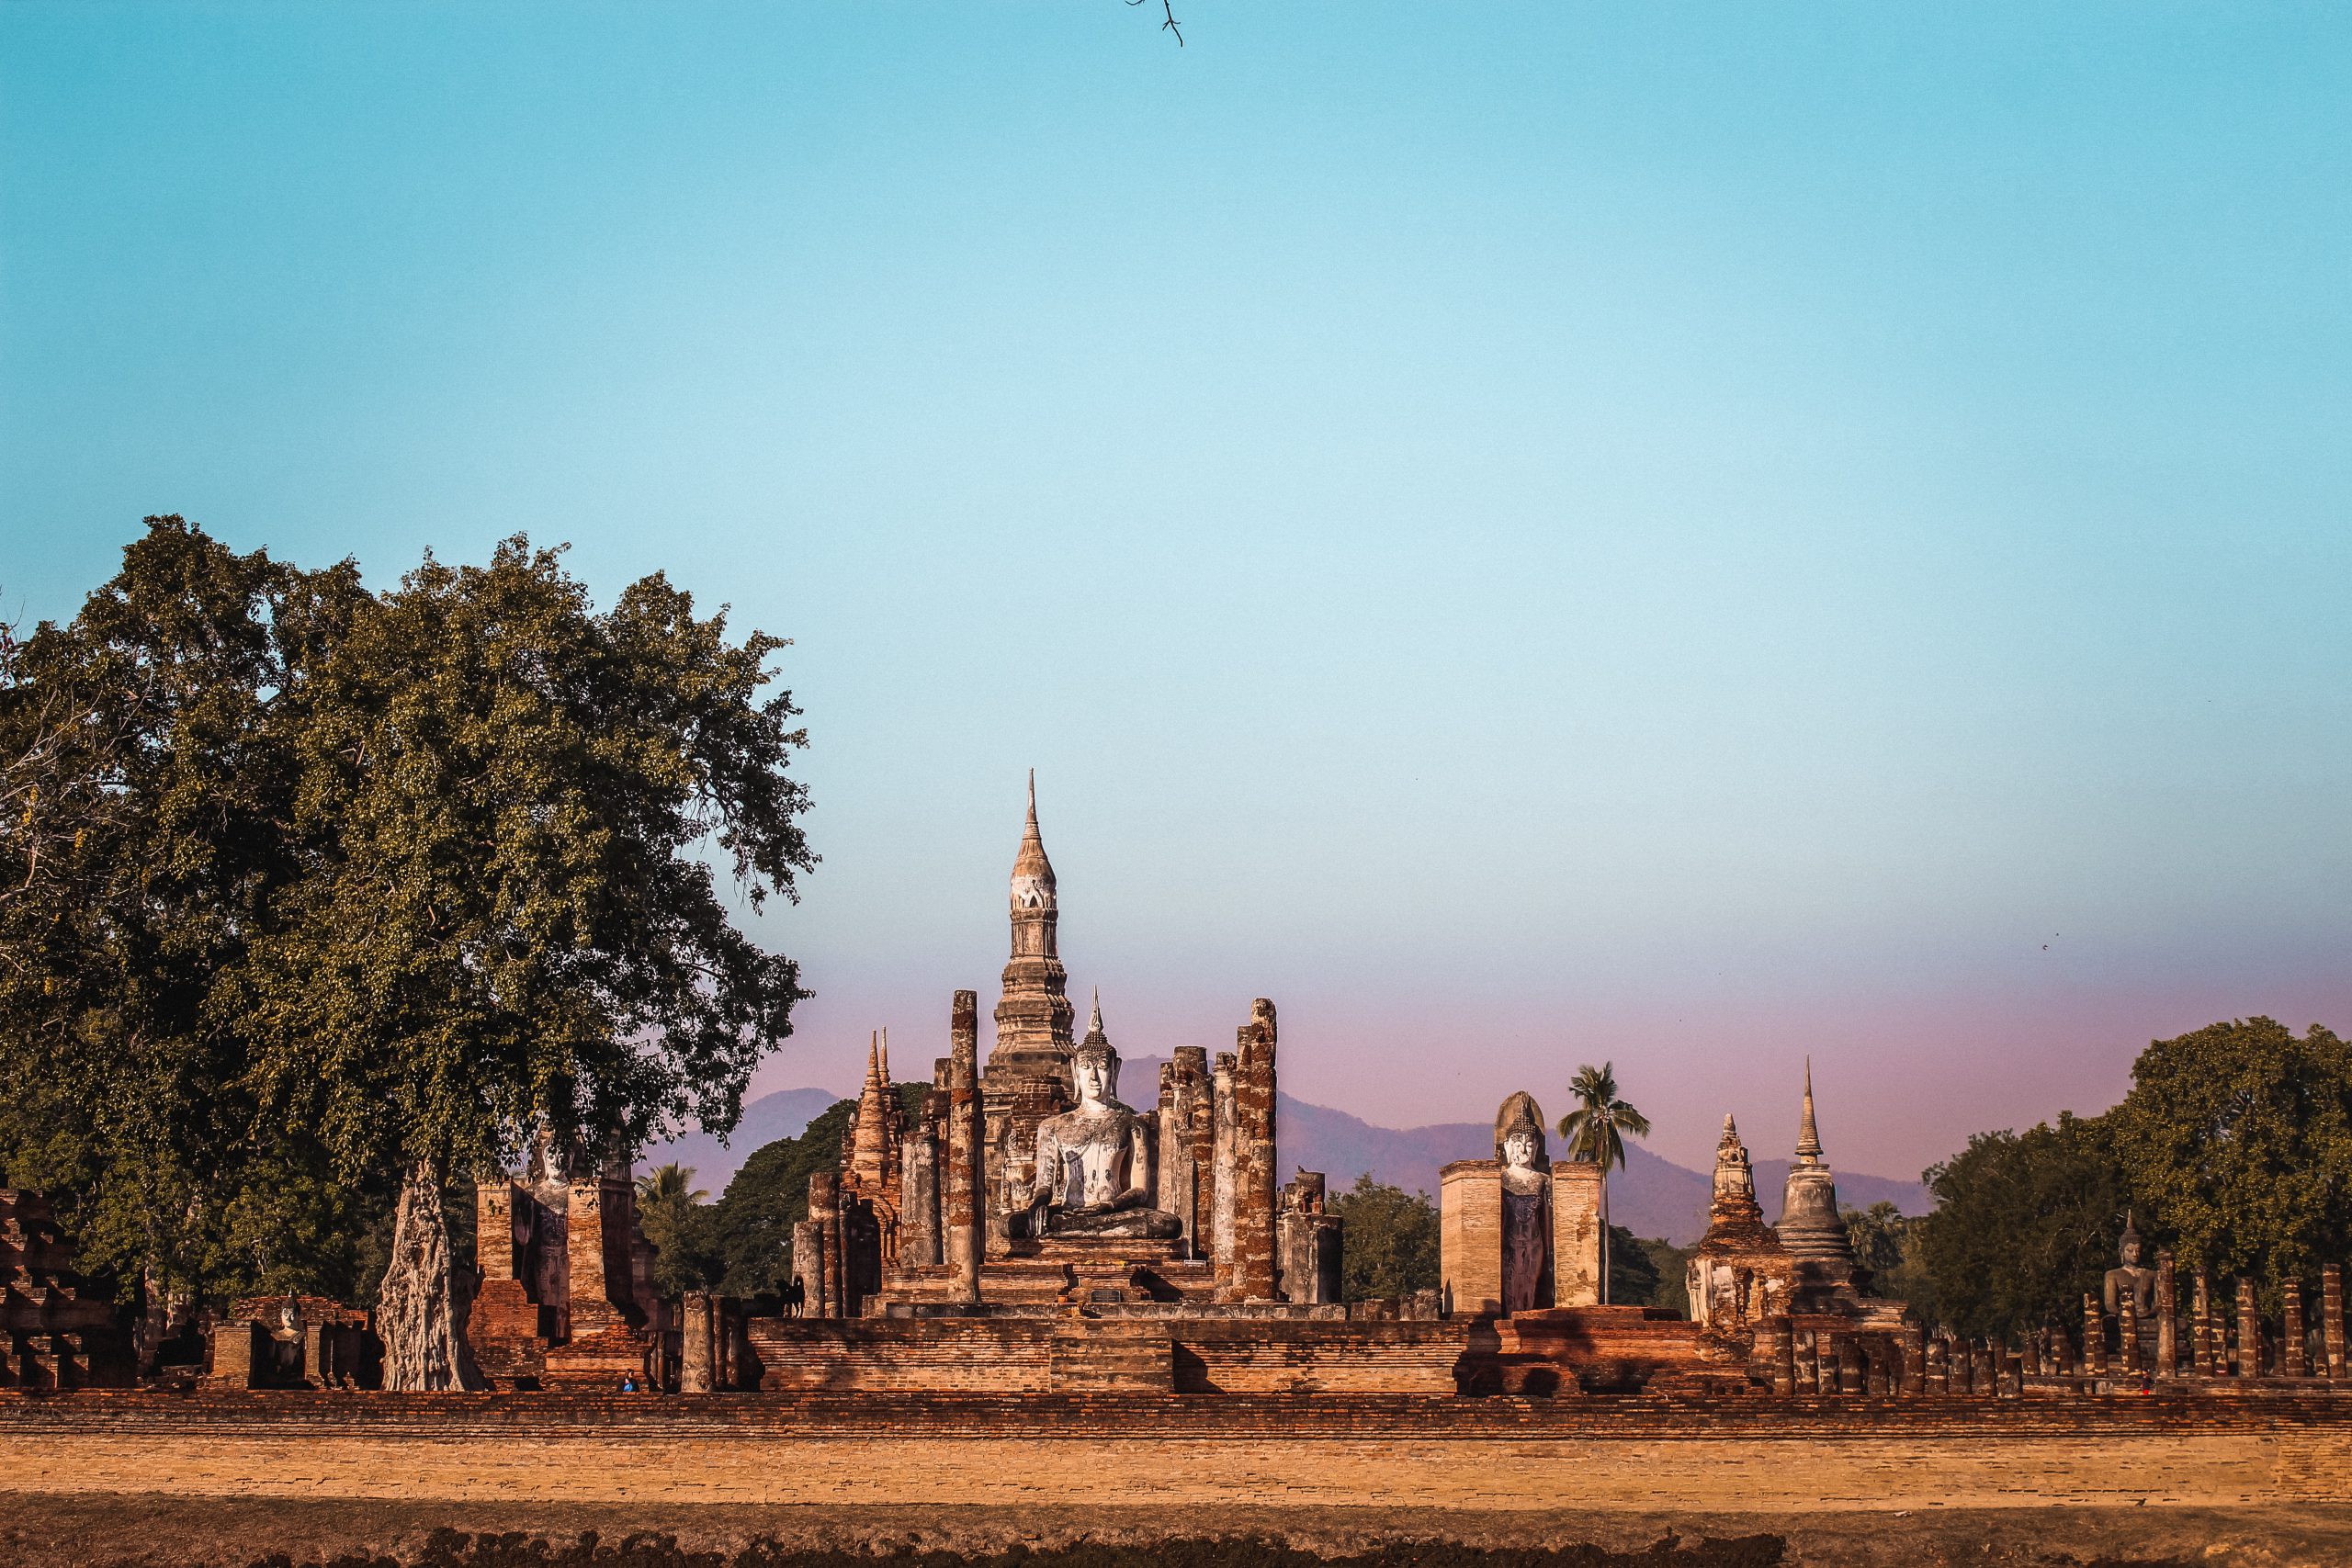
2132, 1252
1518, 1150
1098, 1079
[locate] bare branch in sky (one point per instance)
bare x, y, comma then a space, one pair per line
1169, 7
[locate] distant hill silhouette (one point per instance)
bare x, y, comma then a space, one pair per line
1651, 1197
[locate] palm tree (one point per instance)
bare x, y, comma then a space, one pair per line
671, 1183
1594, 1134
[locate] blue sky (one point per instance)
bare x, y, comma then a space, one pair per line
1687, 535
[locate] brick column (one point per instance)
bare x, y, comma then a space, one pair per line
919, 1190
2094, 1337
1938, 1366
1224, 1131
1183, 1096
1915, 1361
825, 1208
2249, 1331
2200, 1329
963, 1199
2294, 1351
2127, 1335
1805, 1363
808, 1265
2167, 1319
1255, 1187
2331, 1317
1984, 1368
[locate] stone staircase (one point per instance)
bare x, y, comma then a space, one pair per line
1090, 1356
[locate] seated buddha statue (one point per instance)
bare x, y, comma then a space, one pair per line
1094, 1160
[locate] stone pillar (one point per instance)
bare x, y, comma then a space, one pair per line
1938, 1366
2202, 1325
2167, 1319
1804, 1363
695, 1350
1255, 1187
809, 1266
2249, 1332
963, 1203
2294, 1348
1576, 1233
825, 1208
1224, 1131
918, 1198
2127, 1333
1981, 1367
2331, 1317
1308, 1243
2094, 1337
2012, 1373
1470, 1237
1914, 1360
1184, 1103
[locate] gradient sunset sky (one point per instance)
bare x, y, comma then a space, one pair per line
1687, 535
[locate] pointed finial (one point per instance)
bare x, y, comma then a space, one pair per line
1032, 798
886, 1055
1808, 1134
1095, 1025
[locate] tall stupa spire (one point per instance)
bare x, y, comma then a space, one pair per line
1032, 1017
1808, 1134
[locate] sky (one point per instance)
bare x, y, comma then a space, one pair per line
1688, 536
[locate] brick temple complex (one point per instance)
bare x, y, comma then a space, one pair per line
1024, 1233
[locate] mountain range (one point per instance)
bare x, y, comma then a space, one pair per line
1651, 1196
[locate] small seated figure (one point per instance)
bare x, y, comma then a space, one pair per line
1092, 1161
2132, 1282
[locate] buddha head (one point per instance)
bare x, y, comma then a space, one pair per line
1519, 1134
2130, 1249
1094, 1070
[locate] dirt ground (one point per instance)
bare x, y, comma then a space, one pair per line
156, 1531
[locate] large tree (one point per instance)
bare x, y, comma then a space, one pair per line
332, 895
2241, 1133
151, 750
2024, 1224
509, 804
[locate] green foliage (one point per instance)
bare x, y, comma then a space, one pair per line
682, 1227
1635, 1277
2024, 1225
1883, 1240
753, 1221
308, 883
1388, 1247
153, 749
2240, 1136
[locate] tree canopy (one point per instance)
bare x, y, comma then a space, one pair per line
2240, 1136
1389, 1245
315, 884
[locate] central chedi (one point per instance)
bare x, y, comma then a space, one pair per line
1018, 1181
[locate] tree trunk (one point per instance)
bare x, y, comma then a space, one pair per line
425, 1350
